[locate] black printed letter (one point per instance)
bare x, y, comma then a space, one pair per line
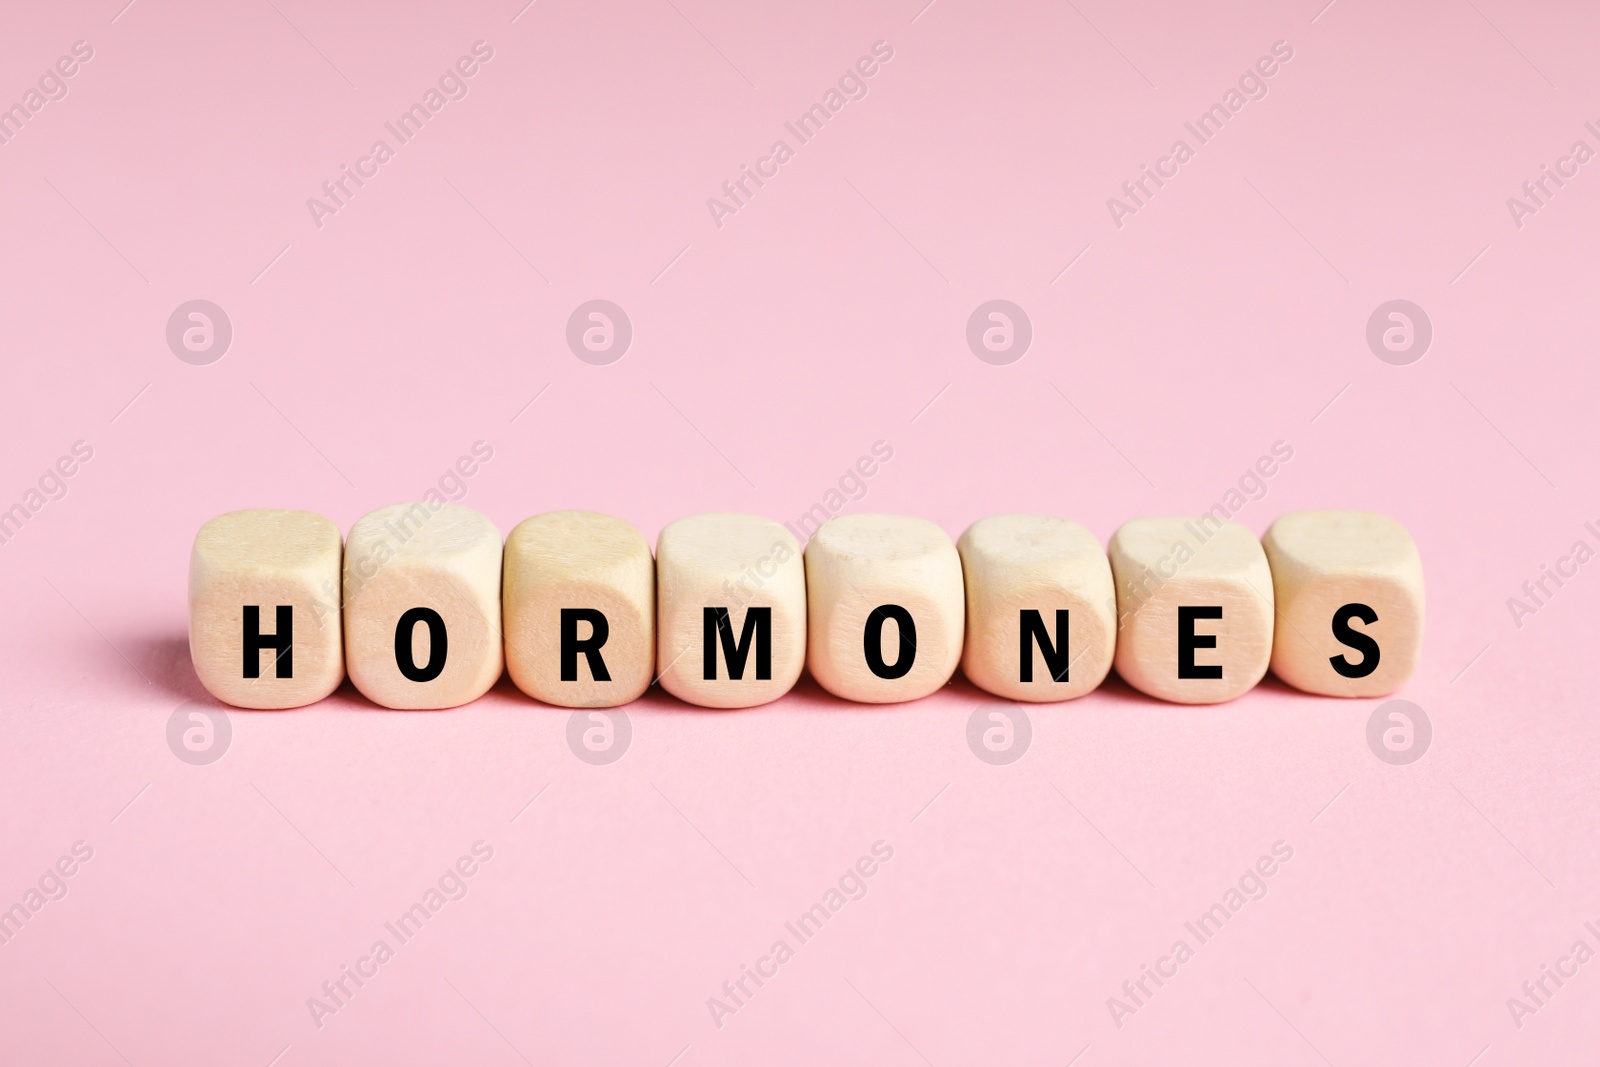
1188, 641
1362, 643
1055, 655
254, 641
589, 646
872, 641
757, 630
438, 644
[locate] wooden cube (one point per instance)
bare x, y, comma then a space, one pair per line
579, 601
1041, 608
1195, 608
731, 616
422, 605
264, 623
888, 607
1350, 598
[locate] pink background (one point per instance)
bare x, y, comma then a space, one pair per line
768, 355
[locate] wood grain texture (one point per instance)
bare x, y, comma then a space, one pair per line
737, 562
1017, 563
266, 557
442, 557
1162, 565
1324, 560
587, 561
858, 563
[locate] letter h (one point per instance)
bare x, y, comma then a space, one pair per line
255, 641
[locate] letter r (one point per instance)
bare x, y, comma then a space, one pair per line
590, 646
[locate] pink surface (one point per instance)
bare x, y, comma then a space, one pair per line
828, 313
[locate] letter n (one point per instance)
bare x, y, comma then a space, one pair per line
1055, 653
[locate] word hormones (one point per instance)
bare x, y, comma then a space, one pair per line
424, 606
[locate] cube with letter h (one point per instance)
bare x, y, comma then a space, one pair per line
265, 630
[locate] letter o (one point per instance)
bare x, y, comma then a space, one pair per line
438, 644
872, 641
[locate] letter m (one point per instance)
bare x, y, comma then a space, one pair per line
757, 631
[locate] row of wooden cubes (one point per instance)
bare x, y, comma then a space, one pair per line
424, 607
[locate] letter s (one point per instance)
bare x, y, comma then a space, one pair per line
1361, 642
